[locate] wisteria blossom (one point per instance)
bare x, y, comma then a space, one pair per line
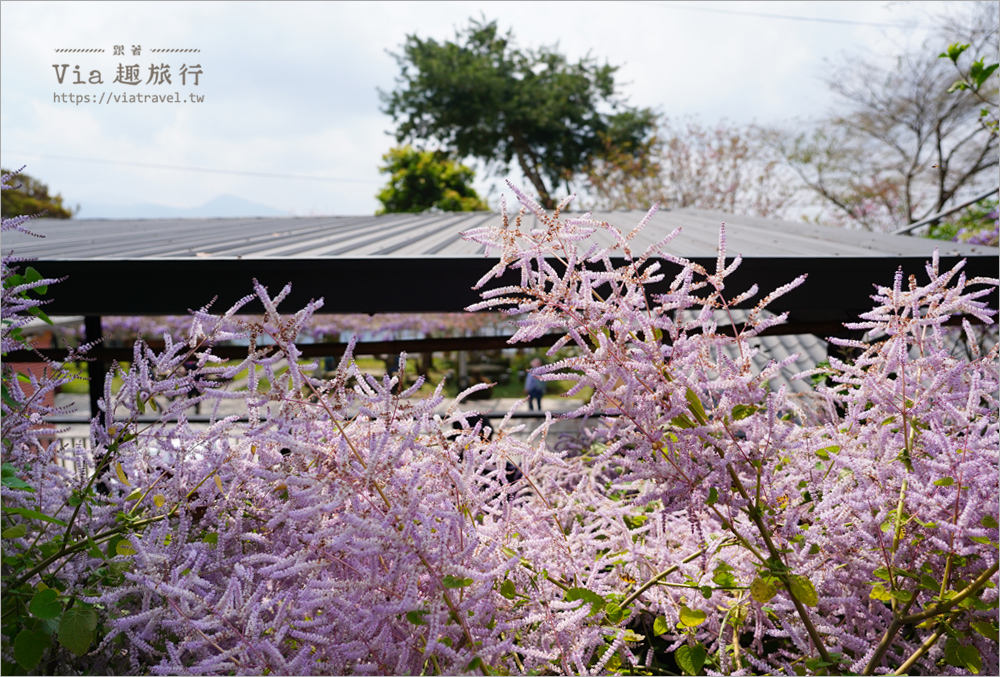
321, 328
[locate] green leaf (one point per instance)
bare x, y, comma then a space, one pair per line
507, 589
762, 590
954, 51
124, 547
9, 401
816, 664
40, 314
159, 500
45, 604
962, 656
112, 546
596, 601
742, 411
944, 482
901, 595
723, 576
452, 582
713, 497
978, 72
660, 626
971, 658
32, 275
986, 629
76, 629
211, 538
16, 531
9, 477
630, 636
134, 496
989, 522
614, 613
417, 617
825, 452
696, 407
474, 664
803, 590
682, 421
121, 474
691, 659
692, 618
93, 550
880, 593
29, 645
33, 514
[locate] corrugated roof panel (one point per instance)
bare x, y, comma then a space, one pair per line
838, 241
344, 237
418, 235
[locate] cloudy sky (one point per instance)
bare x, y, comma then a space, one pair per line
290, 114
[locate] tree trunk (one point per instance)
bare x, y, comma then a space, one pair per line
523, 155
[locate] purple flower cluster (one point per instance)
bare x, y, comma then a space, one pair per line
323, 327
989, 237
708, 523
983, 234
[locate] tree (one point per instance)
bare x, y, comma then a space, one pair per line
903, 146
973, 79
422, 180
483, 97
685, 164
31, 197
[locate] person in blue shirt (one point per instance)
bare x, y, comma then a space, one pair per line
534, 387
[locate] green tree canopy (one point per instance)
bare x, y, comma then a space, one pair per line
31, 197
422, 180
481, 96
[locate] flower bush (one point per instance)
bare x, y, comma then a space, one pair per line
979, 224
710, 525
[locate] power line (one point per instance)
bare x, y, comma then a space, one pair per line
204, 170
791, 17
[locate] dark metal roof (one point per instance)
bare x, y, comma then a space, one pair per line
419, 262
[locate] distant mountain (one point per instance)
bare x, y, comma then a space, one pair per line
223, 206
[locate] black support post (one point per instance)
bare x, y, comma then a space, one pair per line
96, 370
